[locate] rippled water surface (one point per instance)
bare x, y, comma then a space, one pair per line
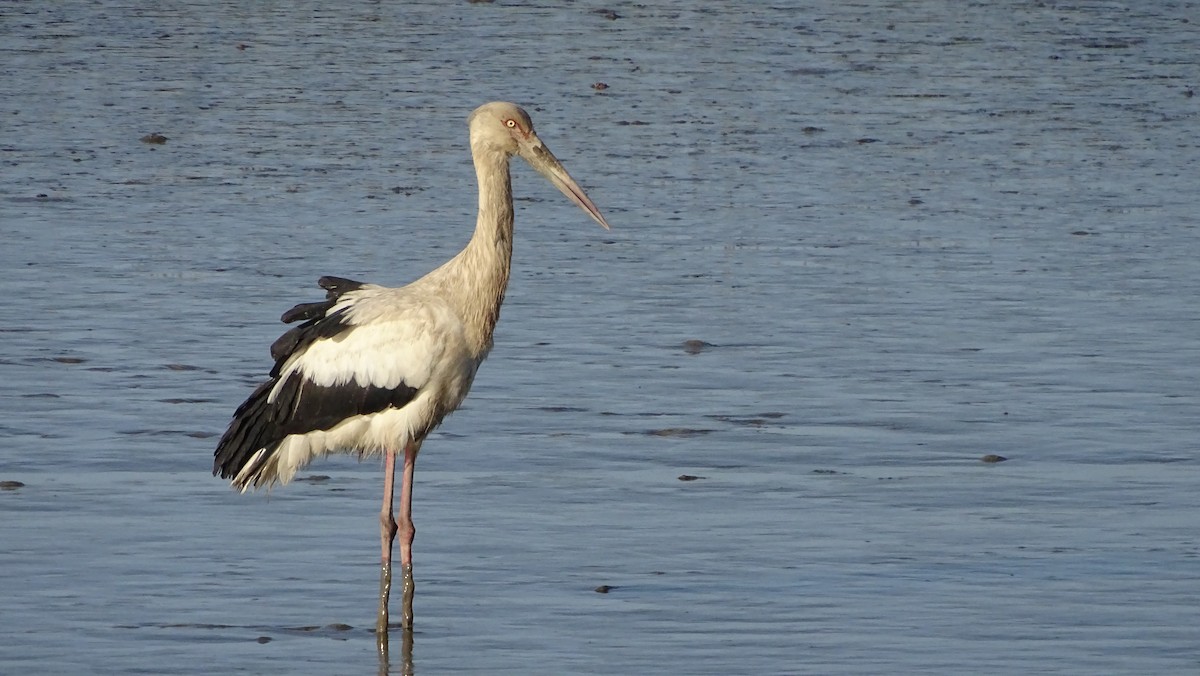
857, 247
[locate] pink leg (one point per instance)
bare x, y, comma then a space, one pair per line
407, 532
387, 534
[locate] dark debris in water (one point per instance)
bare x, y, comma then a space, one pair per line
992, 458
561, 409
154, 139
604, 588
679, 432
40, 197
10, 485
695, 346
690, 477
179, 625
334, 628
144, 431
1106, 42
264, 639
749, 421
314, 478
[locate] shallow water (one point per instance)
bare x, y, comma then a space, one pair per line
911, 235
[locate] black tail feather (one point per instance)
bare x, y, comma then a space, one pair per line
259, 424
249, 431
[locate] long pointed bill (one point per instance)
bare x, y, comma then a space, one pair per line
539, 157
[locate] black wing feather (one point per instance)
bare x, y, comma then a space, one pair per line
300, 405
316, 407
317, 322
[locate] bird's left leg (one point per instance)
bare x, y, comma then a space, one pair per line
407, 532
387, 535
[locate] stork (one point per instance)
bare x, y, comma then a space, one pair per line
372, 370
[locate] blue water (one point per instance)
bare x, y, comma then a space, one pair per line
911, 234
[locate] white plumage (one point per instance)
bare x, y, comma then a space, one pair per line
395, 340
410, 342
372, 370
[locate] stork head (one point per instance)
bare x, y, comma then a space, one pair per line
505, 127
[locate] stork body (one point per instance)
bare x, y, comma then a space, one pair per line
372, 370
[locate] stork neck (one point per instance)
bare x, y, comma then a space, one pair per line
494, 225
488, 256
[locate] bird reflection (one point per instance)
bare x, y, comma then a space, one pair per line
404, 666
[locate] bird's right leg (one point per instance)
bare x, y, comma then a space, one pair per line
407, 533
387, 535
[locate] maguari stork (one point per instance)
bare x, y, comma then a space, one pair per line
372, 370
